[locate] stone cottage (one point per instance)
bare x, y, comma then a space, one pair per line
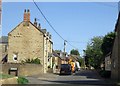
115, 58
29, 41
3, 48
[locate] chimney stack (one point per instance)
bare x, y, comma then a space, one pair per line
35, 22
26, 15
39, 26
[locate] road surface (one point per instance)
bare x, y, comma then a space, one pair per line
82, 77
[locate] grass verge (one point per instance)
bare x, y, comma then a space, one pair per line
22, 80
4, 76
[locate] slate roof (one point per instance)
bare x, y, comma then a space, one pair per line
28, 22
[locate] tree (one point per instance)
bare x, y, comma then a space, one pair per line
81, 61
58, 51
93, 53
74, 52
108, 42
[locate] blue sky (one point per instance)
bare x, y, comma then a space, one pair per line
76, 22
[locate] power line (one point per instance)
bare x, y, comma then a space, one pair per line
51, 25
71, 45
47, 20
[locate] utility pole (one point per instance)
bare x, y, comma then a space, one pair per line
64, 45
64, 49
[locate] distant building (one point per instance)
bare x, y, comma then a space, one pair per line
62, 56
56, 59
108, 62
115, 57
29, 41
3, 47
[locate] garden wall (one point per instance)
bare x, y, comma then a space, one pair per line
23, 69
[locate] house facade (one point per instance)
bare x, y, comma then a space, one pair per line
108, 62
48, 45
115, 57
29, 41
3, 47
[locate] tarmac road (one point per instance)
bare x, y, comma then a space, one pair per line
81, 78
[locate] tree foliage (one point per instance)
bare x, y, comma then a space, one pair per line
108, 41
81, 61
93, 53
74, 52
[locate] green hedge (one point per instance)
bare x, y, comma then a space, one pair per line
105, 74
22, 80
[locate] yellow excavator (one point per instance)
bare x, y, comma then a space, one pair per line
72, 63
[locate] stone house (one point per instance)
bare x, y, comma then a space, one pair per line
56, 59
29, 41
48, 45
74, 57
115, 57
108, 62
62, 56
3, 47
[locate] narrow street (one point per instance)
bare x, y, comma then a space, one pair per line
82, 77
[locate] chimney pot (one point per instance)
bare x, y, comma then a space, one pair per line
35, 19
25, 10
35, 22
28, 10
39, 26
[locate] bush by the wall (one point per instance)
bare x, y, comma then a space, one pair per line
22, 80
105, 74
34, 61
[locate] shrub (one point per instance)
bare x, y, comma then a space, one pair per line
35, 61
22, 80
105, 74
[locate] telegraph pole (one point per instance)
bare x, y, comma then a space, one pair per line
64, 49
64, 45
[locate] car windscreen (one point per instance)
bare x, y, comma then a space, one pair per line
65, 66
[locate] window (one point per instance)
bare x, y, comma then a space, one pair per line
15, 56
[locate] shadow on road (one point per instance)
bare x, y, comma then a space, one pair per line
84, 82
89, 74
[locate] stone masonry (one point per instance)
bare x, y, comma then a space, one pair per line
115, 59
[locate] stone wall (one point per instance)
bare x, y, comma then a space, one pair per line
23, 69
9, 81
114, 60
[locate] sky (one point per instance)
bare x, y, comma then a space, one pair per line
76, 22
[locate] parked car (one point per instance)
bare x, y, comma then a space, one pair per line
65, 69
